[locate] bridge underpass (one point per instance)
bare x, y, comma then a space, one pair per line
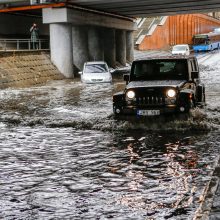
82, 30
18, 207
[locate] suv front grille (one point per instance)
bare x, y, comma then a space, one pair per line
150, 100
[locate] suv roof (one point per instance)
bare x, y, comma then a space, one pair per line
173, 57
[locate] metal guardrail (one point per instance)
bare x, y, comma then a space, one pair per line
23, 44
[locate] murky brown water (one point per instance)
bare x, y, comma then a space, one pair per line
64, 156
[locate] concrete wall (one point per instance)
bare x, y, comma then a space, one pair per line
24, 69
159, 39
178, 29
86, 17
17, 25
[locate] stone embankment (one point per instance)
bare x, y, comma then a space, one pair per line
24, 69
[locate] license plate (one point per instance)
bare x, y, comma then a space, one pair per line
148, 112
97, 80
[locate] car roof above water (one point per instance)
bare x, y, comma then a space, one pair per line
177, 45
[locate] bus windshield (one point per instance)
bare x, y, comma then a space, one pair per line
202, 40
159, 70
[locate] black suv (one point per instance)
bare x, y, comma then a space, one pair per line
161, 85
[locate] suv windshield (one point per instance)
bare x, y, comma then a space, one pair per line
159, 70
95, 68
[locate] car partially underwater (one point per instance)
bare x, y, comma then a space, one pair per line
96, 72
160, 85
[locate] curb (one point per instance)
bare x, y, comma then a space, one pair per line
205, 208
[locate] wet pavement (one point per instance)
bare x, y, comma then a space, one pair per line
64, 156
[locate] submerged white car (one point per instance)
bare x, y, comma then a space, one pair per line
96, 72
181, 49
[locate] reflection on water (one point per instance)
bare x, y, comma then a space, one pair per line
66, 173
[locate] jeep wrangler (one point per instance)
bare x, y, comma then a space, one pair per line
161, 85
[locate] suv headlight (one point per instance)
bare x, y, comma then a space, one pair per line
171, 93
130, 94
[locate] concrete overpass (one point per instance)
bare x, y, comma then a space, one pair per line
144, 8
134, 8
82, 30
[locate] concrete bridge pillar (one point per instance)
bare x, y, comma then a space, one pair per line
95, 44
129, 46
79, 46
61, 48
109, 46
121, 46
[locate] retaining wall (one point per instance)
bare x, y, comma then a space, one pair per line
24, 69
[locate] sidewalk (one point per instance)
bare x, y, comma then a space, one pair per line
215, 209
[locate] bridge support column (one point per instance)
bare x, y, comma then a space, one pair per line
80, 46
61, 48
121, 46
129, 46
95, 44
109, 46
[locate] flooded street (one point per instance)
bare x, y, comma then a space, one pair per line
64, 156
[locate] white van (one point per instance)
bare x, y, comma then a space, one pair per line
181, 49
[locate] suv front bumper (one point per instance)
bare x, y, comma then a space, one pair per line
134, 110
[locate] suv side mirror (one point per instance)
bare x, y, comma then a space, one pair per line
195, 74
126, 77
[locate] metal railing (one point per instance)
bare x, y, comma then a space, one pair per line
35, 2
23, 44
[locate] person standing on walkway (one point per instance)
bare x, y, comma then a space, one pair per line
34, 36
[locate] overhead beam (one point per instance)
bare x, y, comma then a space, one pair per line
141, 8
158, 5
80, 17
173, 11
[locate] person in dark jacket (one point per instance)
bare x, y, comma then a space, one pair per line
34, 36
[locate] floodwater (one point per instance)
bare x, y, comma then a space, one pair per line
64, 156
